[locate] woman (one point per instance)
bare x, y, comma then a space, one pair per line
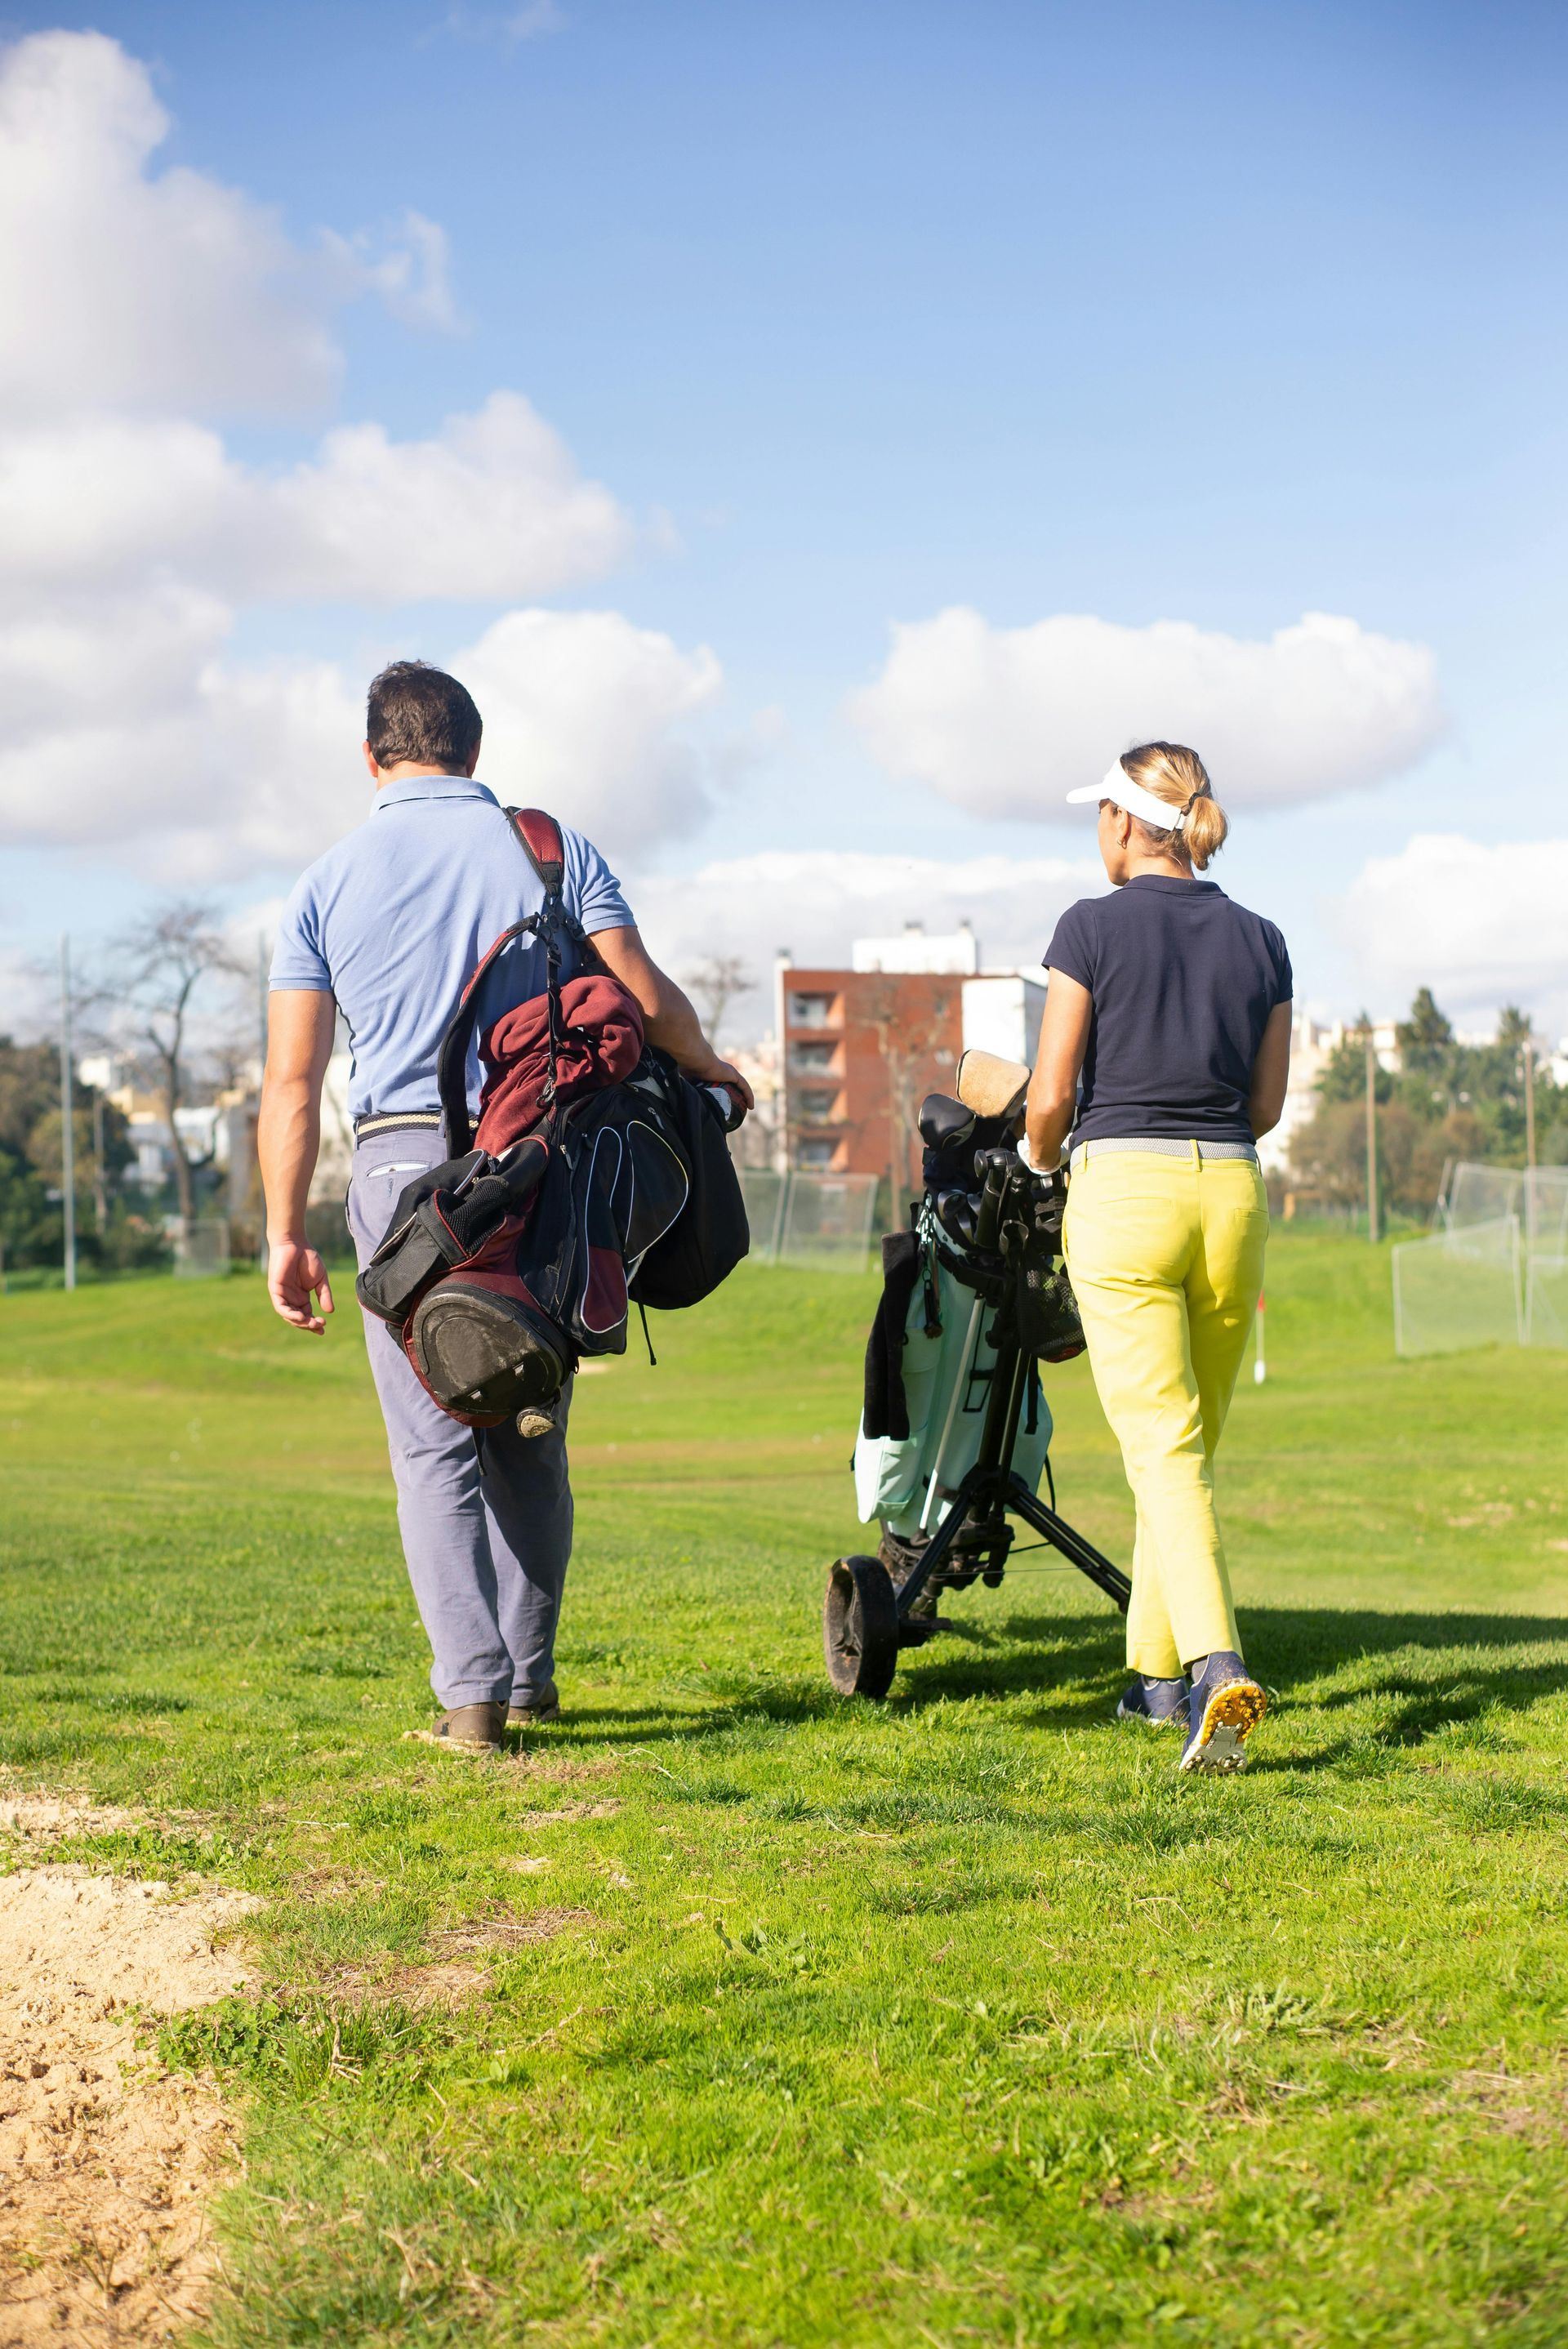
1173, 1005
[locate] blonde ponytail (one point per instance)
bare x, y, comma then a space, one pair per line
1179, 777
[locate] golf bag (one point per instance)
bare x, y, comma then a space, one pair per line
955, 1430
949, 1304
597, 1176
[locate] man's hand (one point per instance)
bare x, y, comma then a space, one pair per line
296, 1280
714, 1072
668, 1018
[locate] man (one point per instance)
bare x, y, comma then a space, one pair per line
384, 929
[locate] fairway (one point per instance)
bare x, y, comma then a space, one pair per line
727, 2012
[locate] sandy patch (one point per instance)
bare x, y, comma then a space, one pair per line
531, 1820
48, 1819
106, 2161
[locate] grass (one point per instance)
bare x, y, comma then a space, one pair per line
732, 2014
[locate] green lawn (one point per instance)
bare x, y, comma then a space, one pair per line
776, 2019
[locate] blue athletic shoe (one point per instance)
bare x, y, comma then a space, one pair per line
1226, 1707
1159, 1704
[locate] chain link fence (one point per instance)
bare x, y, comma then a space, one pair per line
804, 1218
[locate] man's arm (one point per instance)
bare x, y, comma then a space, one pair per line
669, 1019
1271, 1074
1053, 1088
300, 1026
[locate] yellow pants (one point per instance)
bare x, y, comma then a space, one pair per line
1166, 1258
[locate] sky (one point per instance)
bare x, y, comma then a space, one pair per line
820, 435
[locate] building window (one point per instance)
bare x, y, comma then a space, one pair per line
806, 1060
815, 1153
810, 1011
817, 1101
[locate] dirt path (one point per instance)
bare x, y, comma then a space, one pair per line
106, 2162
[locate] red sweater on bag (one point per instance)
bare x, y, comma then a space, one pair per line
600, 1042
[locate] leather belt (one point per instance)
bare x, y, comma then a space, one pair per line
397, 1121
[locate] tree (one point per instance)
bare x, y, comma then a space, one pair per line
1344, 1074
910, 1034
1426, 1038
714, 984
30, 1155
1513, 1031
164, 961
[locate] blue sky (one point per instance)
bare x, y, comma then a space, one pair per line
1218, 314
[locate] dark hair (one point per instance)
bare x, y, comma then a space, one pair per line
420, 713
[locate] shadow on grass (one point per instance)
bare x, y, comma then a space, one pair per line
1450, 1668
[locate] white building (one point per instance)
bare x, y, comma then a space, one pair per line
955, 955
1002, 1014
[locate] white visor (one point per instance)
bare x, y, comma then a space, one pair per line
1118, 785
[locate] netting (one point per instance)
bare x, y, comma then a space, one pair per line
1544, 1213
202, 1249
797, 1217
1482, 1194
1461, 1288
828, 1219
764, 1193
1546, 1302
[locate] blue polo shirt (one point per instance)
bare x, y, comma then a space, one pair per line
393, 919
1182, 981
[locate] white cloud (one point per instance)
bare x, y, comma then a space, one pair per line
122, 287
1005, 720
815, 904
584, 715
491, 507
135, 733
407, 269
1480, 925
132, 307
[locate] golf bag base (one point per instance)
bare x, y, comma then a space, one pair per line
486, 1354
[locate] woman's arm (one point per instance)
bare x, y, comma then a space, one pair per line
1271, 1073
1053, 1088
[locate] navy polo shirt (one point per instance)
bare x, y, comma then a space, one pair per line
1182, 981
393, 919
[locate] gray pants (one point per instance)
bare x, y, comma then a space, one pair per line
485, 1513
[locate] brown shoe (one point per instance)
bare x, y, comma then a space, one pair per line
467, 1729
545, 1706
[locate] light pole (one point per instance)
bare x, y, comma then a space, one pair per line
1530, 1141
1371, 1138
67, 1115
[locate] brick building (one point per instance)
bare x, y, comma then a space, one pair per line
859, 1048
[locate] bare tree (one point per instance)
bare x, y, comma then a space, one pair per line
164, 959
714, 984
910, 1037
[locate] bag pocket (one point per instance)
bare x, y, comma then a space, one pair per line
439, 1224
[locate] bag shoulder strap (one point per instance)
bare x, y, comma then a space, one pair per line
541, 845
538, 836
452, 1062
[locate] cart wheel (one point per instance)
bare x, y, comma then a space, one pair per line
860, 1627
